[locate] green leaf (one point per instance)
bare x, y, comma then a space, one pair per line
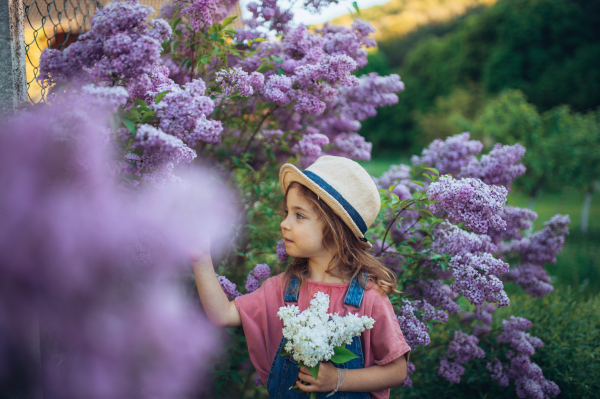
204, 60
160, 96
229, 20
130, 125
355, 5
418, 183
426, 211
237, 377
175, 22
434, 170
342, 355
280, 71
230, 29
141, 103
314, 371
148, 117
283, 352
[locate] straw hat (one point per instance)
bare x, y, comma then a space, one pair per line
344, 185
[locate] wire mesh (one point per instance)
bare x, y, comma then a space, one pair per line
52, 24
56, 24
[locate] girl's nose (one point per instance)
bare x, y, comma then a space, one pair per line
285, 224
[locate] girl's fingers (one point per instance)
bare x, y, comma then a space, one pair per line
305, 388
307, 378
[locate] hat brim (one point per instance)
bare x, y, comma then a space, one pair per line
289, 174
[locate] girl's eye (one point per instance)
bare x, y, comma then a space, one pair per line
300, 216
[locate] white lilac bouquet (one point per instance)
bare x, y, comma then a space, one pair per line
315, 336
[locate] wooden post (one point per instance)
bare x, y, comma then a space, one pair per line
13, 84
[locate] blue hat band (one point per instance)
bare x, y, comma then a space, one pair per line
358, 220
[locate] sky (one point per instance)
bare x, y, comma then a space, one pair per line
305, 17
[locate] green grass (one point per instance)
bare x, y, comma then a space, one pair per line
377, 166
569, 202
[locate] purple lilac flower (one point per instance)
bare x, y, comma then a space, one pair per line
450, 370
452, 240
482, 313
119, 45
167, 10
517, 220
281, 252
109, 97
534, 279
182, 113
349, 41
200, 13
257, 381
307, 103
449, 156
159, 148
464, 348
276, 90
256, 276
475, 277
353, 146
147, 86
120, 327
500, 167
470, 201
387, 254
410, 368
498, 372
414, 330
439, 294
236, 80
529, 378
311, 145
353, 104
513, 333
229, 288
542, 246
160, 30
272, 135
396, 174
461, 349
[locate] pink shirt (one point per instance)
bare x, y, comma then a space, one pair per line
263, 328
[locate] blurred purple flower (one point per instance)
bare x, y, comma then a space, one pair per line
95, 265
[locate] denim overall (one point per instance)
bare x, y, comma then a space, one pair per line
284, 370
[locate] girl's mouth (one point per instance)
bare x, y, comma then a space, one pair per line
287, 241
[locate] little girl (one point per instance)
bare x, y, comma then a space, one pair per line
328, 209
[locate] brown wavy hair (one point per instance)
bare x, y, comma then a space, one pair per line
349, 257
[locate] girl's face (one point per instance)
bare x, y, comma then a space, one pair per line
302, 231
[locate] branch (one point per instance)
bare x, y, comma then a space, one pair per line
258, 127
390, 226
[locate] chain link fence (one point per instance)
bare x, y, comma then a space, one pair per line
56, 24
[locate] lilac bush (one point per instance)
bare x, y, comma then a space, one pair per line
452, 261
188, 89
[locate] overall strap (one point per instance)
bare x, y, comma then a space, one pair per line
293, 284
355, 292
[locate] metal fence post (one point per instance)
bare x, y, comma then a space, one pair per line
13, 83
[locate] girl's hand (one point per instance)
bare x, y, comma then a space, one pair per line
202, 251
325, 382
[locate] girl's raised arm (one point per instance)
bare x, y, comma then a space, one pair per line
220, 311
